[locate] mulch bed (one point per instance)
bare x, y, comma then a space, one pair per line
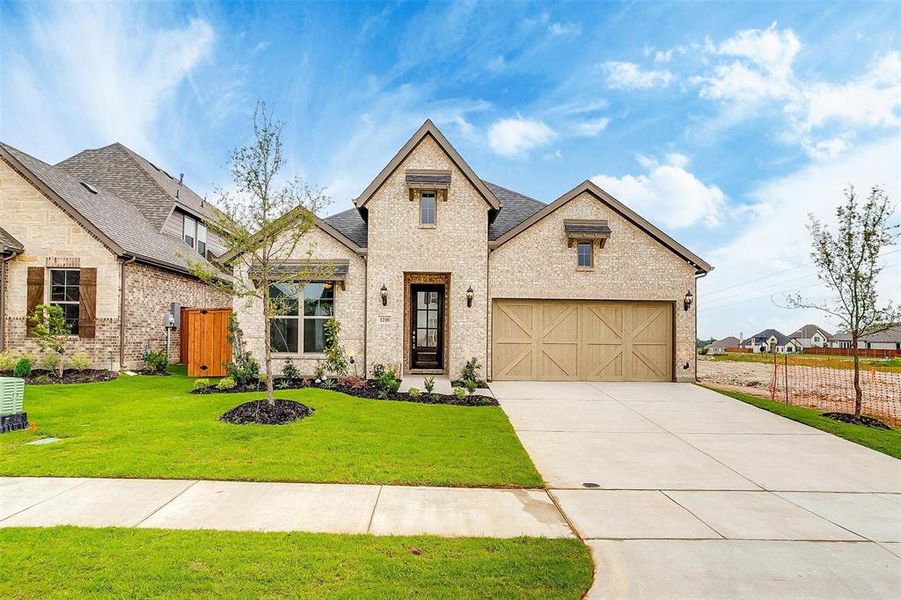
149, 372
861, 420
369, 390
39, 377
260, 412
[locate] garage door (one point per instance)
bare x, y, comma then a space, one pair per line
555, 340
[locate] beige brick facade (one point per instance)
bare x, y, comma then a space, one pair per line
456, 245
538, 263
349, 306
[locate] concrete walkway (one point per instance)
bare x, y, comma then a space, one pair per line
683, 492
233, 505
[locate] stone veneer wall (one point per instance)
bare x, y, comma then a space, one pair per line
51, 238
349, 306
538, 263
149, 293
455, 245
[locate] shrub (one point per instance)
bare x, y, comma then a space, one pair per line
471, 370
413, 392
335, 358
80, 361
319, 371
44, 378
156, 360
289, 371
243, 368
50, 362
460, 393
353, 382
50, 331
388, 381
470, 385
429, 384
226, 383
201, 385
8, 361
703, 351
377, 370
23, 366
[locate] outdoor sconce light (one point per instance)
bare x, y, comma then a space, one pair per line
469, 295
384, 294
688, 300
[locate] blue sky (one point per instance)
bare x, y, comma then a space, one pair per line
723, 123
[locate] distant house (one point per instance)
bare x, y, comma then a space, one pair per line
720, 346
884, 340
811, 336
768, 340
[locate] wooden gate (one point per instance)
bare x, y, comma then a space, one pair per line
204, 341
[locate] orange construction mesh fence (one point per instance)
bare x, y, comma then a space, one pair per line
832, 389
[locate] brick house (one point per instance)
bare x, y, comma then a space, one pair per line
433, 266
107, 236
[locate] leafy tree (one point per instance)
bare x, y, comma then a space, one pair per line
262, 221
50, 331
848, 263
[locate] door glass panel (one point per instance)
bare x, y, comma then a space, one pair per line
433, 319
420, 299
420, 337
421, 317
432, 338
433, 299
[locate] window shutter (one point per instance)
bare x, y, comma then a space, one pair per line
35, 295
87, 307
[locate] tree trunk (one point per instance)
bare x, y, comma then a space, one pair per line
267, 360
858, 392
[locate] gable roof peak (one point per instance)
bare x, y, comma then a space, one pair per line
428, 127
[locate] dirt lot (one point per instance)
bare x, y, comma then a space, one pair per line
823, 388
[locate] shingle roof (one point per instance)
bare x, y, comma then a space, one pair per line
726, 342
132, 177
515, 208
892, 335
351, 224
9, 244
808, 330
764, 335
119, 221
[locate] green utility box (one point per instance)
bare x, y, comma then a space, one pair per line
12, 417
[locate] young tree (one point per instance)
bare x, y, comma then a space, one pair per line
848, 263
50, 331
262, 222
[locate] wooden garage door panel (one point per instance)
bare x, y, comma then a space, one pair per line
582, 340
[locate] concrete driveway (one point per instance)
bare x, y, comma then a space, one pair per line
683, 492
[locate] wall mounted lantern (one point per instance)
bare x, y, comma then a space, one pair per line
384, 294
469, 296
688, 300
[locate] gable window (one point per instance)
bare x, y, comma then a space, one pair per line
300, 327
190, 230
65, 293
201, 239
427, 206
585, 254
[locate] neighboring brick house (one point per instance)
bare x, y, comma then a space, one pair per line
105, 235
438, 266
768, 340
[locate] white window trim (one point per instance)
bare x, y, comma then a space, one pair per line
184, 231
201, 233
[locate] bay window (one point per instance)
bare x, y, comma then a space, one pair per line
300, 326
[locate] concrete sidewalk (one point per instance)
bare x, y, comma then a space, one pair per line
234, 505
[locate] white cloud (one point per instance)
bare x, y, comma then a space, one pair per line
773, 238
591, 127
514, 138
629, 76
560, 29
672, 196
825, 149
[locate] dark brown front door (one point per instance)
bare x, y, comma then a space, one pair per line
427, 322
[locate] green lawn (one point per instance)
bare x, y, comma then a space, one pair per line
138, 563
151, 427
887, 442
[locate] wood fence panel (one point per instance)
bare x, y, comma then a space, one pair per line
862, 352
205, 333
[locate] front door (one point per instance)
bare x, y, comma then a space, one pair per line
427, 323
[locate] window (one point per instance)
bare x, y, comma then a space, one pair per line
201, 239
585, 254
299, 326
64, 293
190, 230
427, 204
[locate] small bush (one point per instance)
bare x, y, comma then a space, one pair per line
353, 382
335, 357
413, 392
42, 378
471, 370
50, 361
429, 384
377, 370
470, 385
23, 366
703, 351
156, 360
201, 385
460, 393
226, 383
8, 361
388, 381
80, 361
289, 371
319, 371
